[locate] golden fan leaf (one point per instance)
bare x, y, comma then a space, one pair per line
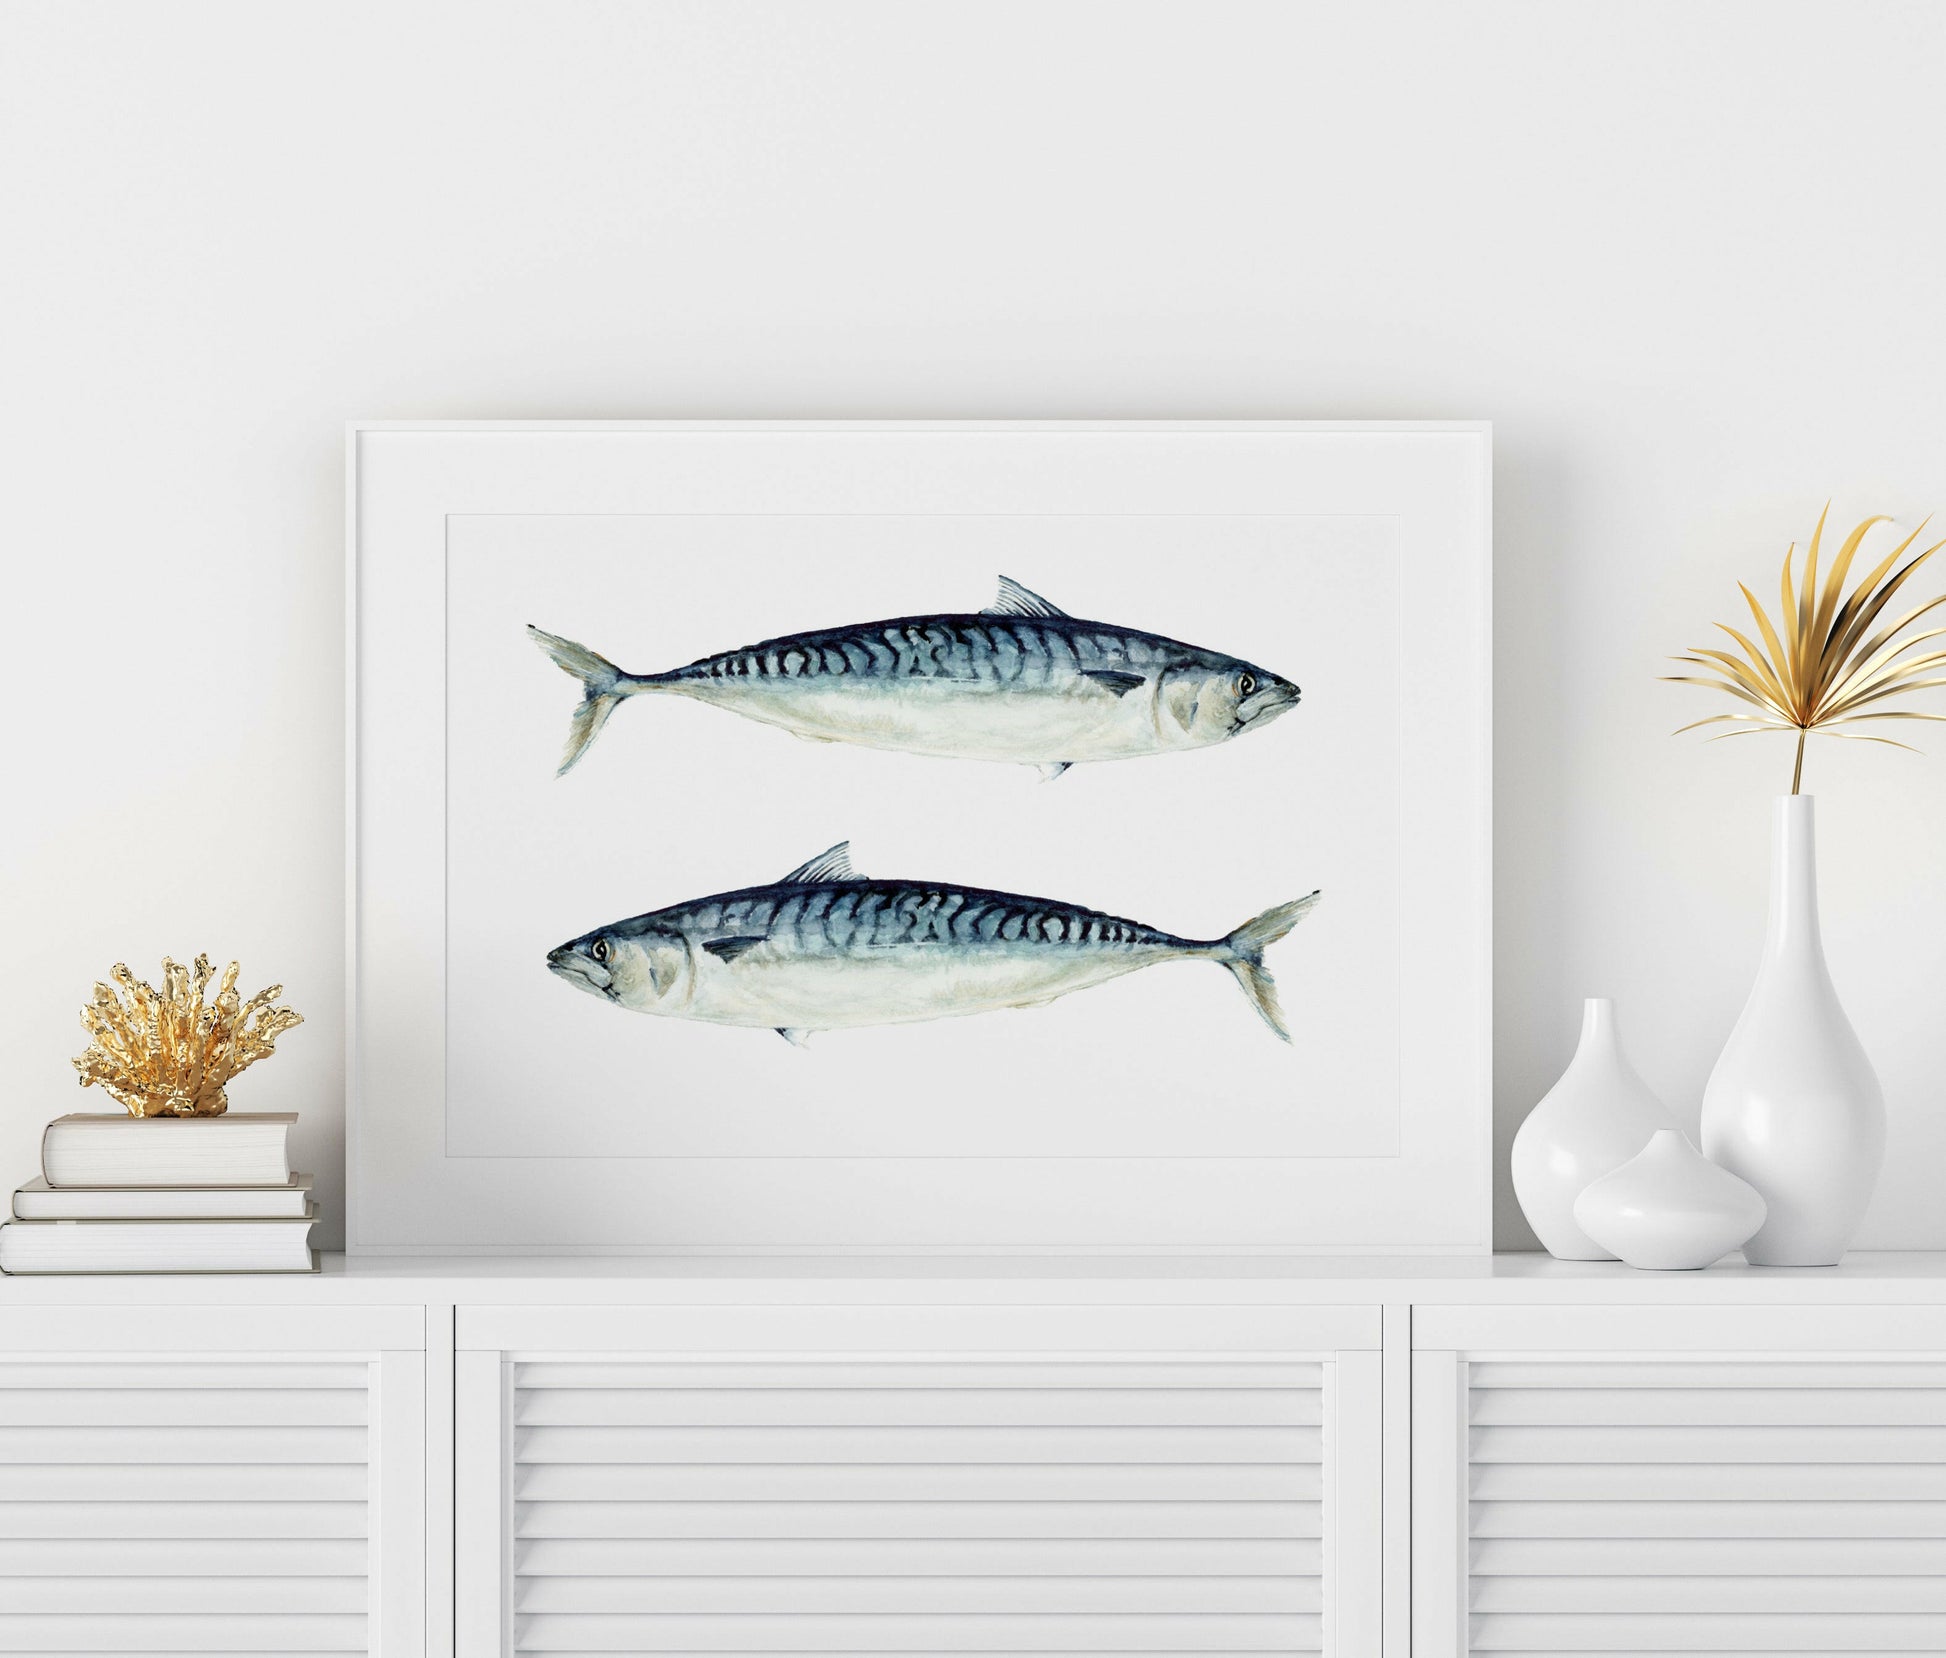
1819, 663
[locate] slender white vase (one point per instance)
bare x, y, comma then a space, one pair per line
1668, 1210
1793, 1105
1598, 1116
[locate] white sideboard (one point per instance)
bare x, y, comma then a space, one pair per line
1677, 1477
210, 1474
1019, 1456
902, 1475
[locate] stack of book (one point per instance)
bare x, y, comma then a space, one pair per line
163, 1194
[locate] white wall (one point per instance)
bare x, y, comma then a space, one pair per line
1686, 257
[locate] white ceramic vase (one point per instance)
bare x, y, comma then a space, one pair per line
1793, 1105
1669, 1209
1598, 1116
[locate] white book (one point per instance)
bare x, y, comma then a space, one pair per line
239, 1148
28, 1246
39, 1201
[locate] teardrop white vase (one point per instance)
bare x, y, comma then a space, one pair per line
1668, 1210
1793, 1105
1598, 1116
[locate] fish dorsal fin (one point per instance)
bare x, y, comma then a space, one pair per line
834, 865
1015, 600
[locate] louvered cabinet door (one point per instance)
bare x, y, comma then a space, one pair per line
1749, 1482
184, 1480
904, 1502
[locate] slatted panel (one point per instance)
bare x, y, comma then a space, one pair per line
894, 1508
155, 1507
1739, 1508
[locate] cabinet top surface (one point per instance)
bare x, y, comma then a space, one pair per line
1865, 1278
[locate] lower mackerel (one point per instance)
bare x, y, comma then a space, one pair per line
827, 949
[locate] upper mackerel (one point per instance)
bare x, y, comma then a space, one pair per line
1019, 681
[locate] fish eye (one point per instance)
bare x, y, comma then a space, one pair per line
599, 949
1246, 683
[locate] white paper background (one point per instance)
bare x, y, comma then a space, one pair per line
675, 800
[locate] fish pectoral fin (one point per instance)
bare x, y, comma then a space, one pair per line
1052, 769
1015, 600
728, 949
795, 1037
1042, 1002
1113, 679
807, 737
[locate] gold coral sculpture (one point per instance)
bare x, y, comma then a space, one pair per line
169, 1053
1821, 665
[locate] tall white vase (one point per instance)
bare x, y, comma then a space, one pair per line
1793, 1105
1598, 1116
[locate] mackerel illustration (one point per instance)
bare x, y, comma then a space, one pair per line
827, 949
1019, 681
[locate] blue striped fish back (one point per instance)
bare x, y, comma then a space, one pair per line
972, 649
847, 917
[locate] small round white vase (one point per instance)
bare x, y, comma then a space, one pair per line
1598, 1116
1669, 1209
1793, 1105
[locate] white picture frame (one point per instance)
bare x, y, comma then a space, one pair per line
414, 488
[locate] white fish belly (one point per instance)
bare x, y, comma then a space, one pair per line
1032, 725
811, 992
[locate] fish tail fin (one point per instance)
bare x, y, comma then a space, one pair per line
602, 687
1243, 953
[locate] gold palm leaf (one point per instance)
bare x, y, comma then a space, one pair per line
1826, 664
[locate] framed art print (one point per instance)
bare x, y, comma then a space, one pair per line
919, 836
